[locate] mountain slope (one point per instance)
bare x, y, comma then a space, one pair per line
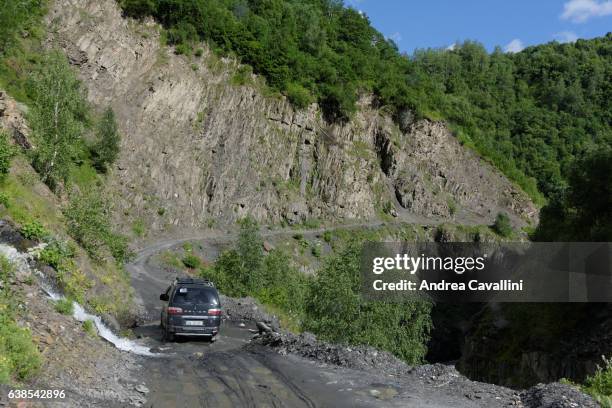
203, 143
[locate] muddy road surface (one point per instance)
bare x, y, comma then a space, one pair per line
225, 373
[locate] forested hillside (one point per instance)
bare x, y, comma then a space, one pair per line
530, 113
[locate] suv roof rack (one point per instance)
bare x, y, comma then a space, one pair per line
198, 281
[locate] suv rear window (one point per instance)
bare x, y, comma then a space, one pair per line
195, 296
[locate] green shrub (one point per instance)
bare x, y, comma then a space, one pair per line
6, 154
106, 149
4, 199
502, 225
327, 236
336, 311
89, 327
56, 253
34, 230
19, 357
64, 306
316, 250
138, 228
88, 219
242, 76
182, 49
199, 52
329, 304
161, 211
599, 385
191, 261
298, 95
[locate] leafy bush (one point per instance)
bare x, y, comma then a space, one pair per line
88, 220
182, 49
19, 357
242, 75
335, 310
599, 385
6, 154
4, 199
138, 228
191, 261
299, 96
34, 230
502, 225
329, 305
246, 271
89, 327
56, 253
64, 306
106, 149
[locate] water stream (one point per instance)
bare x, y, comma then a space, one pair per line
21, 261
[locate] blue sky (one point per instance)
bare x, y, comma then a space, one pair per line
511, 24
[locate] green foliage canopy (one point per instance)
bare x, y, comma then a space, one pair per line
56, 118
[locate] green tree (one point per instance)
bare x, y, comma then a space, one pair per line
335, 310
106, 149
582, 211
502, 225
56, 118
250, 251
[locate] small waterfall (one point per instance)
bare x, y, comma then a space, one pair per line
21, 261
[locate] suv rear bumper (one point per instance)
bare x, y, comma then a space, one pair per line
193, 331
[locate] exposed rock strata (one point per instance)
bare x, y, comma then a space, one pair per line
204, 149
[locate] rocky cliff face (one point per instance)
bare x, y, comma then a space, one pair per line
12, 120
202, 148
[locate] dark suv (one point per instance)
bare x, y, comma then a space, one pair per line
192, 309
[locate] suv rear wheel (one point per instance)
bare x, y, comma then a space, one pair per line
167, 336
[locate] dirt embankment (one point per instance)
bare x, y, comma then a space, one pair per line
91, 371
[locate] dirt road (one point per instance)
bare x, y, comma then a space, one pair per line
227, 374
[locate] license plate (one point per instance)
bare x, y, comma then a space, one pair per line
194, 323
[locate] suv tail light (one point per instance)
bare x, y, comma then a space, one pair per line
175, 310
214, 312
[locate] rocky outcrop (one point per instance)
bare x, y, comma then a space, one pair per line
12, 120
204, 149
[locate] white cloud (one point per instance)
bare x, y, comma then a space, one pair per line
513, 46
566, 36
396, 37
451, 47
579, 11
